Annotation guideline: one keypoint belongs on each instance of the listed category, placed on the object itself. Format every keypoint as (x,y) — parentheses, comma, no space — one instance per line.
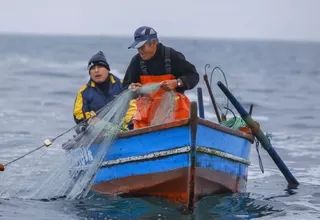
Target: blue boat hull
(181,161)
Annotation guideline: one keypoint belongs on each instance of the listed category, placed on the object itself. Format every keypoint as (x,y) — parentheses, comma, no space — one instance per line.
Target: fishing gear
(79,128)
(258,152)
(205,78)
(258,133)
(48,142)
(250,110)
(223,115)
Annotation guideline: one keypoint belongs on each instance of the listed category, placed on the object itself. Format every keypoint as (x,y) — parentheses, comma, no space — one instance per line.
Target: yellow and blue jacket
(91,98)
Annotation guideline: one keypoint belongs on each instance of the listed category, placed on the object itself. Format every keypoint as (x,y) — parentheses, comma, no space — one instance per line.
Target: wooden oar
(258,133)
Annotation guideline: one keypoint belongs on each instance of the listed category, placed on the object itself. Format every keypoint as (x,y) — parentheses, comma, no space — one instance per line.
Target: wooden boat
(181,161)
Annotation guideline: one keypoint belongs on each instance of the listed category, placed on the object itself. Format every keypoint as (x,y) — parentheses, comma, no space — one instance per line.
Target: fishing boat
(182,161)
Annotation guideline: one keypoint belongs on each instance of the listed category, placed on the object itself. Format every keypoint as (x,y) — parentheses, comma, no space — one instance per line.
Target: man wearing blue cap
(100,90)
(156,63)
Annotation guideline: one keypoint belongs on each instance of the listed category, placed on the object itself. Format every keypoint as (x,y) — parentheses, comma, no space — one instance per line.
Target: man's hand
(93,117)
(92,114)
(169,84)
(134,85)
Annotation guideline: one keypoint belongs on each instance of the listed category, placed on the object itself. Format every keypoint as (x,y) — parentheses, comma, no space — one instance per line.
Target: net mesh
(68,167)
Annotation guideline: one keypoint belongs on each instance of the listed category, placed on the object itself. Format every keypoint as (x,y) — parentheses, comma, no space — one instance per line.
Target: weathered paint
(222,154)
(174,151)
(221,162)
(193,151)
(145,167)
(172,185)
(145,157)
(222,141)
(148,143)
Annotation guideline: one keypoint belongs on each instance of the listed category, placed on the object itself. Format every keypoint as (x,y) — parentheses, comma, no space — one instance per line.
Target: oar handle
(260,136)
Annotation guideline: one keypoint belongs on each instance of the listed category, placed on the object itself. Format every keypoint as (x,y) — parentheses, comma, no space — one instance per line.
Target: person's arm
(132,74)
(184,70)
(81,108)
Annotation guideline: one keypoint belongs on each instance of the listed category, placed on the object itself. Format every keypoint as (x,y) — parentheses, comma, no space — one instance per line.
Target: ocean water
(40,77)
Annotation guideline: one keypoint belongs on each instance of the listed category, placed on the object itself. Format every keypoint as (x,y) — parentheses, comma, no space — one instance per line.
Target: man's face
(99,73)
(148,50)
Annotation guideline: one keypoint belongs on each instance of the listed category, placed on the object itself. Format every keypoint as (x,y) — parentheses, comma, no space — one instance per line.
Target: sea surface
(40,77)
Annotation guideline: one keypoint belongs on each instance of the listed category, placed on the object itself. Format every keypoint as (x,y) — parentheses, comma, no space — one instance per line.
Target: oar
(258,133)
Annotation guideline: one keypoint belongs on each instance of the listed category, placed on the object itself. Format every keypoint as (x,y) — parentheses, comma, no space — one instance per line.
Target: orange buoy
(1,167)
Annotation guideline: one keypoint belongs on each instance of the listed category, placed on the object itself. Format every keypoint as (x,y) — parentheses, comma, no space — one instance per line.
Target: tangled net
(67,169)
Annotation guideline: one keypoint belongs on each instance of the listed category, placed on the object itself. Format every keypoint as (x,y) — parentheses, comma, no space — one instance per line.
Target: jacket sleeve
(132,74)
(81,108)
(184,70)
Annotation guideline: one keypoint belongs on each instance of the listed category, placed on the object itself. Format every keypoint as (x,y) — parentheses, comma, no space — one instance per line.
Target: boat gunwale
(227,130)
(186,121)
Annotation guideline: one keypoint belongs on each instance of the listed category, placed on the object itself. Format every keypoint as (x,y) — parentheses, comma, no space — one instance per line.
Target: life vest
(146,107)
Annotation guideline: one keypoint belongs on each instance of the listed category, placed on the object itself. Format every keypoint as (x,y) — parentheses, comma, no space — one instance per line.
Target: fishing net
(68,167)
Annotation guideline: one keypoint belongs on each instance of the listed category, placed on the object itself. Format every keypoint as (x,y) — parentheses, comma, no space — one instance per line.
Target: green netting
(234,123)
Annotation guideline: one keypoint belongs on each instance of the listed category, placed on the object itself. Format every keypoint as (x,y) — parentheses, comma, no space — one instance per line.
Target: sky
(240,19)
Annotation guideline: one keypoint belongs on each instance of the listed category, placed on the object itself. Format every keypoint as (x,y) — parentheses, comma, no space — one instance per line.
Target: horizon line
(162,36)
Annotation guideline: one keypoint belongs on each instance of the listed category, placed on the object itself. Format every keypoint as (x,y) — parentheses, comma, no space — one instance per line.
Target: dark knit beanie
(98,59)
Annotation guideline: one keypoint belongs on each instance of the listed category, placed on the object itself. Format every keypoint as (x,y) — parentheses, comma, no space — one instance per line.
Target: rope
(234,123)
(47,144)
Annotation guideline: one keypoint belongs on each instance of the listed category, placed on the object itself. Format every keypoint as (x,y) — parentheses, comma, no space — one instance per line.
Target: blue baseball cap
(142,35)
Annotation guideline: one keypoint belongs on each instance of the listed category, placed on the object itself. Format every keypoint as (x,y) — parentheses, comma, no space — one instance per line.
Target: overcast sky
(267,19)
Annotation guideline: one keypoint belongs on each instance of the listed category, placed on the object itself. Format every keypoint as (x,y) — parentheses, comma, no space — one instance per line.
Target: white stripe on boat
(175,151)
(222,154)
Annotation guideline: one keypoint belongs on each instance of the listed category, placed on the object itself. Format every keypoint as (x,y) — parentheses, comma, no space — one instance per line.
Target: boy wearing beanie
(102,88)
